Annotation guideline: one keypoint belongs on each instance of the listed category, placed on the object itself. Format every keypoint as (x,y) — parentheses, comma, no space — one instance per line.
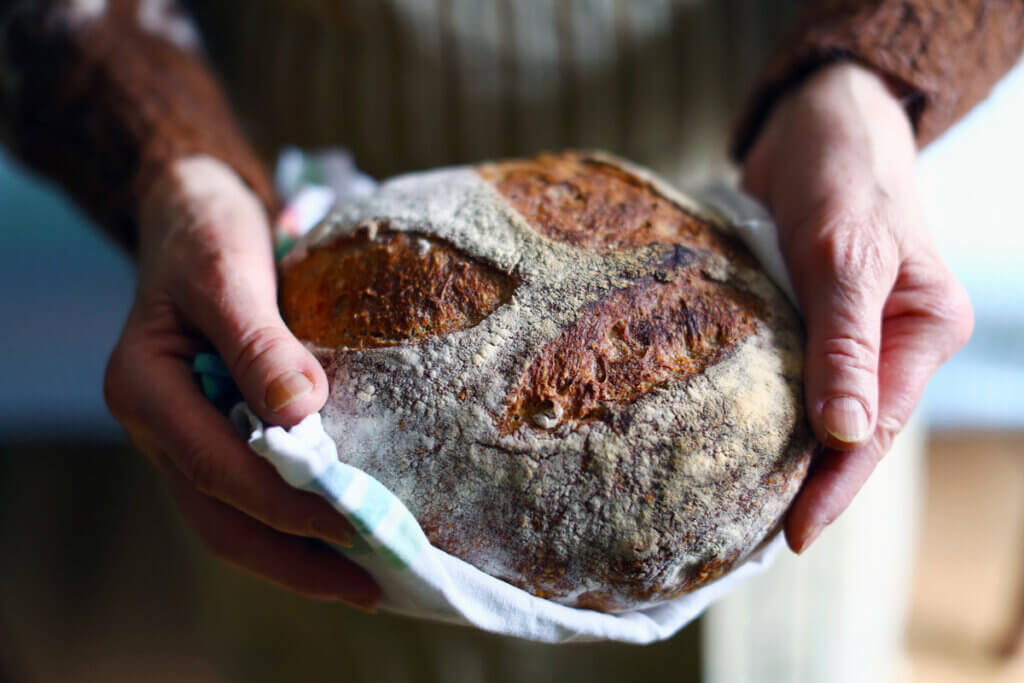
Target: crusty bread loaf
(575,378)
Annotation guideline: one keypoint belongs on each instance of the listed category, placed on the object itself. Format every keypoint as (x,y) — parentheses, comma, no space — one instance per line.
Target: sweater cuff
(940,57)
(104,105)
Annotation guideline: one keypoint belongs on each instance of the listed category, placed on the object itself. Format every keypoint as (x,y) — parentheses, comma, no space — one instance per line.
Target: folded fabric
(417,579)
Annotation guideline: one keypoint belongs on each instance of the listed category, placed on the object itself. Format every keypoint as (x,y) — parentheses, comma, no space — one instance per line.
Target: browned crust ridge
(630,342)
(379,288)
(593,204)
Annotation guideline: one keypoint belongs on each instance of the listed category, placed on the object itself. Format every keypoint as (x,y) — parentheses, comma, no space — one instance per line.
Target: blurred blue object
(68,290)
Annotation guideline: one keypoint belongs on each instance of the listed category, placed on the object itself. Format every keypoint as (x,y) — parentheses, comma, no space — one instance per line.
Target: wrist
(854,95)
(837,140)
(844,111)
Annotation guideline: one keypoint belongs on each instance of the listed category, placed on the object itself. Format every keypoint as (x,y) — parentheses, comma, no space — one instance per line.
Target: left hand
(206,272)
(835,166)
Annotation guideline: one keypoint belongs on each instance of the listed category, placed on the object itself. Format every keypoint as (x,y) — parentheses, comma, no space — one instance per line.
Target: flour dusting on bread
(656,446)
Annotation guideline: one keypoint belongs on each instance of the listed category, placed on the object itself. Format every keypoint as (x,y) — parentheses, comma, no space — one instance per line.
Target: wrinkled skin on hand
(835,166)
(206,272)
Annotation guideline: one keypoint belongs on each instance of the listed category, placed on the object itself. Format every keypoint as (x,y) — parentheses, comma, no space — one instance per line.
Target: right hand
(835,165)
(206,272)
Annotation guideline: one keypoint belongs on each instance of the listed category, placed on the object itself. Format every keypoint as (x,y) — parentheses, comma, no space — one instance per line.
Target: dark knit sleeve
(102,97)
(940,56)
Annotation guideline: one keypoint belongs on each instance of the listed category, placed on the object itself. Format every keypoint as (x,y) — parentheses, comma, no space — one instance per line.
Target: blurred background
(115,592)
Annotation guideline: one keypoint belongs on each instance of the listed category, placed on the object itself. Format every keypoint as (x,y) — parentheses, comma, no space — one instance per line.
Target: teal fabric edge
(215,381)
(405,544)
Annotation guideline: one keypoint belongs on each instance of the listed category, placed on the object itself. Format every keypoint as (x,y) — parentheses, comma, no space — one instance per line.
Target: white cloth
(419,580)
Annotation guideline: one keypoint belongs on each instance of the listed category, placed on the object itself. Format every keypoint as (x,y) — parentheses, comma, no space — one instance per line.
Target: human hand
(835,166)
(206,271)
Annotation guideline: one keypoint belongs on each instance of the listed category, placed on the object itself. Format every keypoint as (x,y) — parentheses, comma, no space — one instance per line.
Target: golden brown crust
(381,288)
(632,341)
(595,205)
(635,338)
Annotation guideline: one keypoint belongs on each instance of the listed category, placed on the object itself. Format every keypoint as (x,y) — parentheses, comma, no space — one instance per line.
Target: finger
(838,475)
(914,347)
(234,304)
(845,275)
(297,564)
(156,398)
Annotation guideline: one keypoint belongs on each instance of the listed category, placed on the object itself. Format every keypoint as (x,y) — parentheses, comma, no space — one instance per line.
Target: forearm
(103,98)
(941,57)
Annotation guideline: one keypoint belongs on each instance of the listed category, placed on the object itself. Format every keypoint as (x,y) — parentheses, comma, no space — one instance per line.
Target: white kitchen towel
(419,580)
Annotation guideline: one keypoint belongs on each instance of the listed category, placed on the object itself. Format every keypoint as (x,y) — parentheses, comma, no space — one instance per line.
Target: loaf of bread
(577,379)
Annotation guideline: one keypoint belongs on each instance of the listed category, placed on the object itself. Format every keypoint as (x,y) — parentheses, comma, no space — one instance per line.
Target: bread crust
(625,427)
(396,288)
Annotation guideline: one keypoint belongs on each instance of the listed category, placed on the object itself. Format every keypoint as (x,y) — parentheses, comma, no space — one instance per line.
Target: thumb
(279,378)
(843,292)
(209,237)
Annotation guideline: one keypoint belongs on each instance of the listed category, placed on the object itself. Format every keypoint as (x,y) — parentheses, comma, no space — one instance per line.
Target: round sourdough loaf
(577,379)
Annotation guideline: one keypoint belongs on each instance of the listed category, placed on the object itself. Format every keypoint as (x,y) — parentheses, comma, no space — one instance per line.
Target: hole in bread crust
(380,287)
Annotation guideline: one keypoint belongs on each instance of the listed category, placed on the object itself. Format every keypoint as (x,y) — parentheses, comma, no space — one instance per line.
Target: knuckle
(851,254)
(254,347)
(850,354)
(846,239)
(947,303)
(935,292)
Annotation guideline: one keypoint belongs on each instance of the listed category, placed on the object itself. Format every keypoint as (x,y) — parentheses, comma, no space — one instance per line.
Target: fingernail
(810,538)
(333,530)
(287,388)
(846,420)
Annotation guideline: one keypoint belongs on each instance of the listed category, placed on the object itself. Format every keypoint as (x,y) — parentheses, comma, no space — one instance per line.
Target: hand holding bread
(206,272)
(835,165)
